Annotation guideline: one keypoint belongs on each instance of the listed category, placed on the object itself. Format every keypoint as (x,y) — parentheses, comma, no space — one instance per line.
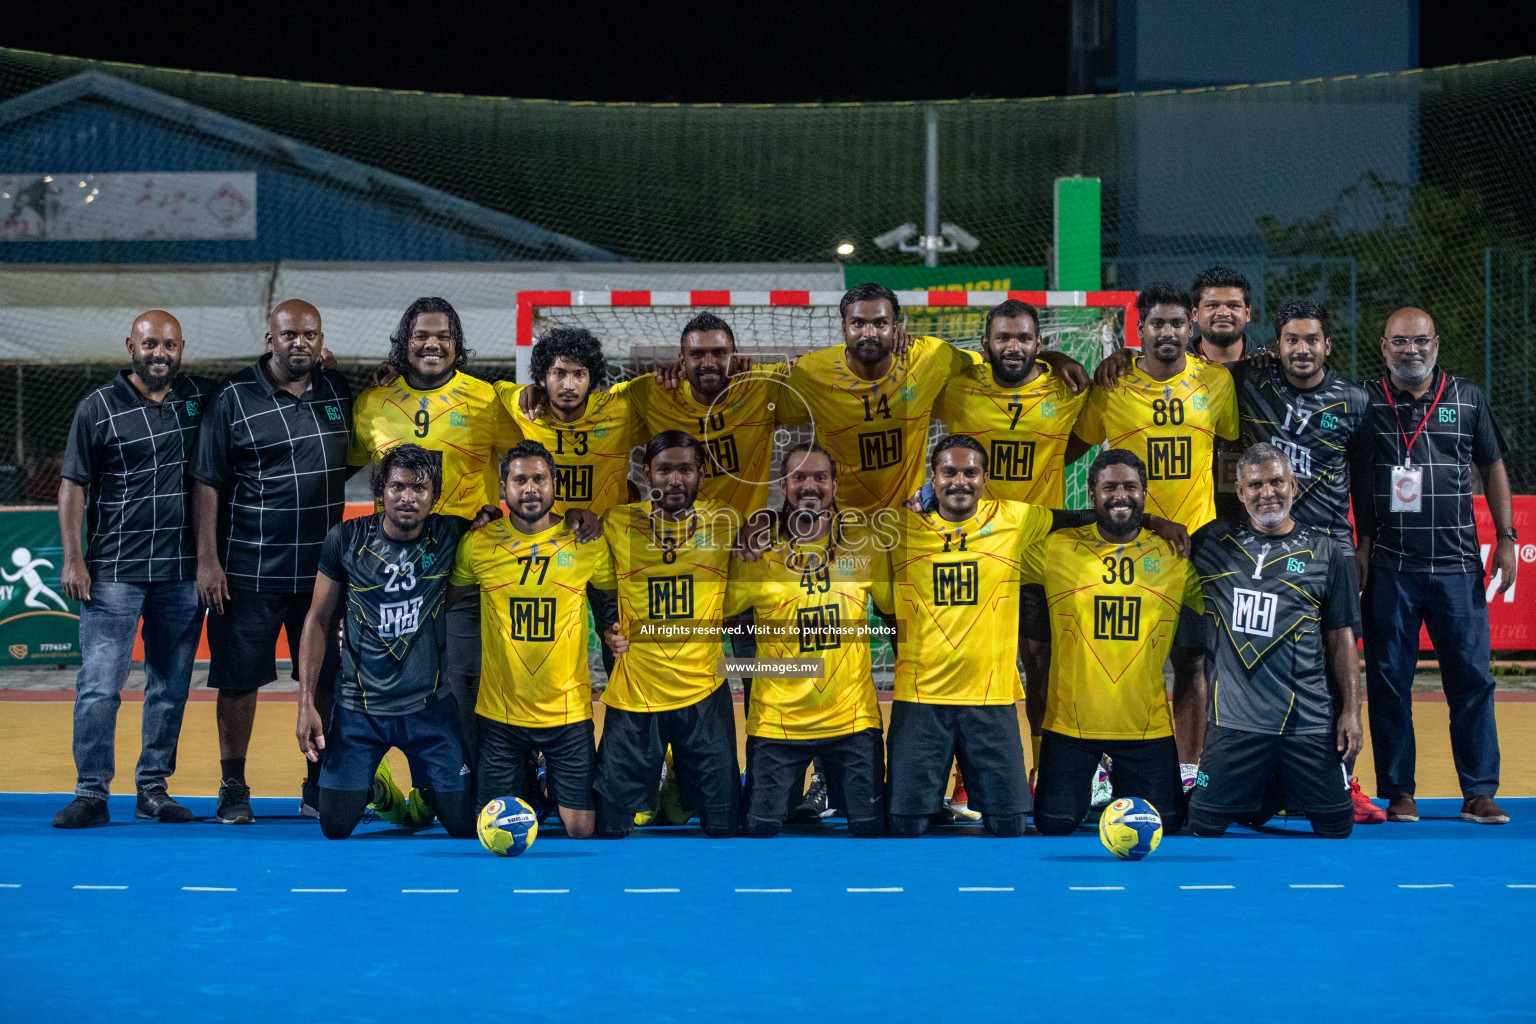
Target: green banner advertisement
(38,624)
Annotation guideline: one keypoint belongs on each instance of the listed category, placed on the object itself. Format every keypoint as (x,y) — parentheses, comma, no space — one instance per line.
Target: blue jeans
(1454,608)
(173,620)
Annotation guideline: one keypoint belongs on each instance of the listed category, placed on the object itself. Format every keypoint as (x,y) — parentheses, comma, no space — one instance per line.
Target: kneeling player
(1117,595)
(813,579)
(1280,599)
(535,689)
(391,570)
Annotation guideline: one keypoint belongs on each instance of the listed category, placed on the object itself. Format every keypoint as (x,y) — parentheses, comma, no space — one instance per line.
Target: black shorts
(1145,768)
(242,640)
(357,741)
(1034,614)
(925,739)
(703,741)
(854,766)
(570,761)
(1237,768)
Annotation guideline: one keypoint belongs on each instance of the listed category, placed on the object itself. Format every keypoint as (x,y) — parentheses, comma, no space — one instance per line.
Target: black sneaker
(309,799)
(814,808)
(82,812)
(234,804)
(157,805)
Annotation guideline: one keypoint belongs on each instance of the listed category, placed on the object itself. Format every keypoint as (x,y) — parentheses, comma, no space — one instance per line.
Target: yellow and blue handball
(1130,828)
(507,826)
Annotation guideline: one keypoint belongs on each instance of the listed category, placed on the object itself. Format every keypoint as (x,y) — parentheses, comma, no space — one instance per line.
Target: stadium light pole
(935,237)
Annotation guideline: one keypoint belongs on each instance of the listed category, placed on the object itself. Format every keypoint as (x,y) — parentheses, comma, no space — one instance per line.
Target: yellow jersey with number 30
(591,452)
(533,620)
(462,420)
(1172,425)
(1114,610)
(956,593)
(672,577)
(808,595)
(876,431)
(1024,430)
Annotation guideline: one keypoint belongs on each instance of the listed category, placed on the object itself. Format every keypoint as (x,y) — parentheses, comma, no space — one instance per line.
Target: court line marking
(765,890)
(1511,885)
(1316,885)
(205,888)
(1096,888)
(101,887)
(883,888)
(986,888)
(1207,887)
(10,885)
(1432,885)
(317,890)
(653,890)
(429,890)
(534,892)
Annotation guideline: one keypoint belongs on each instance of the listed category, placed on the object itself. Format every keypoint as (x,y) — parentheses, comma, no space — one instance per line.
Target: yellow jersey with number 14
(672,578)
(591,452)
(1114,610)
(462,420)
(1173,425)
(533,620)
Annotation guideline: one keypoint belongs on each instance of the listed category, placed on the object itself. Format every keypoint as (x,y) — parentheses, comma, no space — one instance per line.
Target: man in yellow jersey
(530,575)
(671,560)
(809,591)
(433,403)
(589,432)
(1119,599)
(1169,409)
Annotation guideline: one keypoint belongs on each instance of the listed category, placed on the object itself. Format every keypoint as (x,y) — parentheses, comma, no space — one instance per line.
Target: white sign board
(127,207)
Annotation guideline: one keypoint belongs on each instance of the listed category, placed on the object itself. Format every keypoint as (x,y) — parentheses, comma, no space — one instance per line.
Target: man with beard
(671,559)
(1119,598)
(271,473)
(433,403)
(813,580)
(1425,566)
(530,575)
(130,446)
(1280,598)
(955,578)
(389,573)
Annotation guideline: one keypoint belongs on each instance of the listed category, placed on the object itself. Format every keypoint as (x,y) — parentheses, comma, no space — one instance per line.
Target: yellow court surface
(35,748)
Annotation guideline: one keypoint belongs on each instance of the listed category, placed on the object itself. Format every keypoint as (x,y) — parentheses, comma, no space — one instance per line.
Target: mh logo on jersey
(1169,458)
(818,628)
(573,483)
(670,597)
(1013,460)
(533,618)
(722,455)
(1300,456)
(1117,618)
(880,449)
(1253,612)
(955,583)
(399,618)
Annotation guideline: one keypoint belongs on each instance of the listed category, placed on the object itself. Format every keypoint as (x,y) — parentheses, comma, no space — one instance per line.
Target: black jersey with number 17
(394,631)
(1271,598)
(1325,432)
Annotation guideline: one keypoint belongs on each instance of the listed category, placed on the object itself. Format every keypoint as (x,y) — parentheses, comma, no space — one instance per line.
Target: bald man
(1421,563)
(271,469)
(125,480)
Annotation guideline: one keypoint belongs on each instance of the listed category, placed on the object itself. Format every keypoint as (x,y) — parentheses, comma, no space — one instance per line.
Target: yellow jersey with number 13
(591,452)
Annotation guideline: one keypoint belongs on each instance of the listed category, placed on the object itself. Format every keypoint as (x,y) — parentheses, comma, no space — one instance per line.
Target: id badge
(1407,489)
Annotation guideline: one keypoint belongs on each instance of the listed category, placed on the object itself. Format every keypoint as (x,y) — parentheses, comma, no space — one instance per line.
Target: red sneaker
(959,803)
(1366,813)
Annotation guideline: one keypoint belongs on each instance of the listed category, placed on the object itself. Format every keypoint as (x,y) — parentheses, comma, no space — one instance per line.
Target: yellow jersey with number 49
(1024,430)
(1173,425)
(462,420)
(1114,610)
(591,452)
(672,578)
(956,593)
(809,597)
(876,431)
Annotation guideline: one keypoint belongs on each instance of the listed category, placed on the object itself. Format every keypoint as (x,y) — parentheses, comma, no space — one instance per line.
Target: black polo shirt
(1442,536)
(132,456)
(280,464)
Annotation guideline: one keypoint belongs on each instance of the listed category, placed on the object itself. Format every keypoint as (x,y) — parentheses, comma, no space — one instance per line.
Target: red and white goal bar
(529,302)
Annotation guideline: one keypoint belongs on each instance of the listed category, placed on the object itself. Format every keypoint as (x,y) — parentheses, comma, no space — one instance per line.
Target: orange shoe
(1366,813)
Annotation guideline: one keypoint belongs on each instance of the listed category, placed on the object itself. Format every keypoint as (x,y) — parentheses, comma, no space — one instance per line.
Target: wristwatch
(1506,533)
